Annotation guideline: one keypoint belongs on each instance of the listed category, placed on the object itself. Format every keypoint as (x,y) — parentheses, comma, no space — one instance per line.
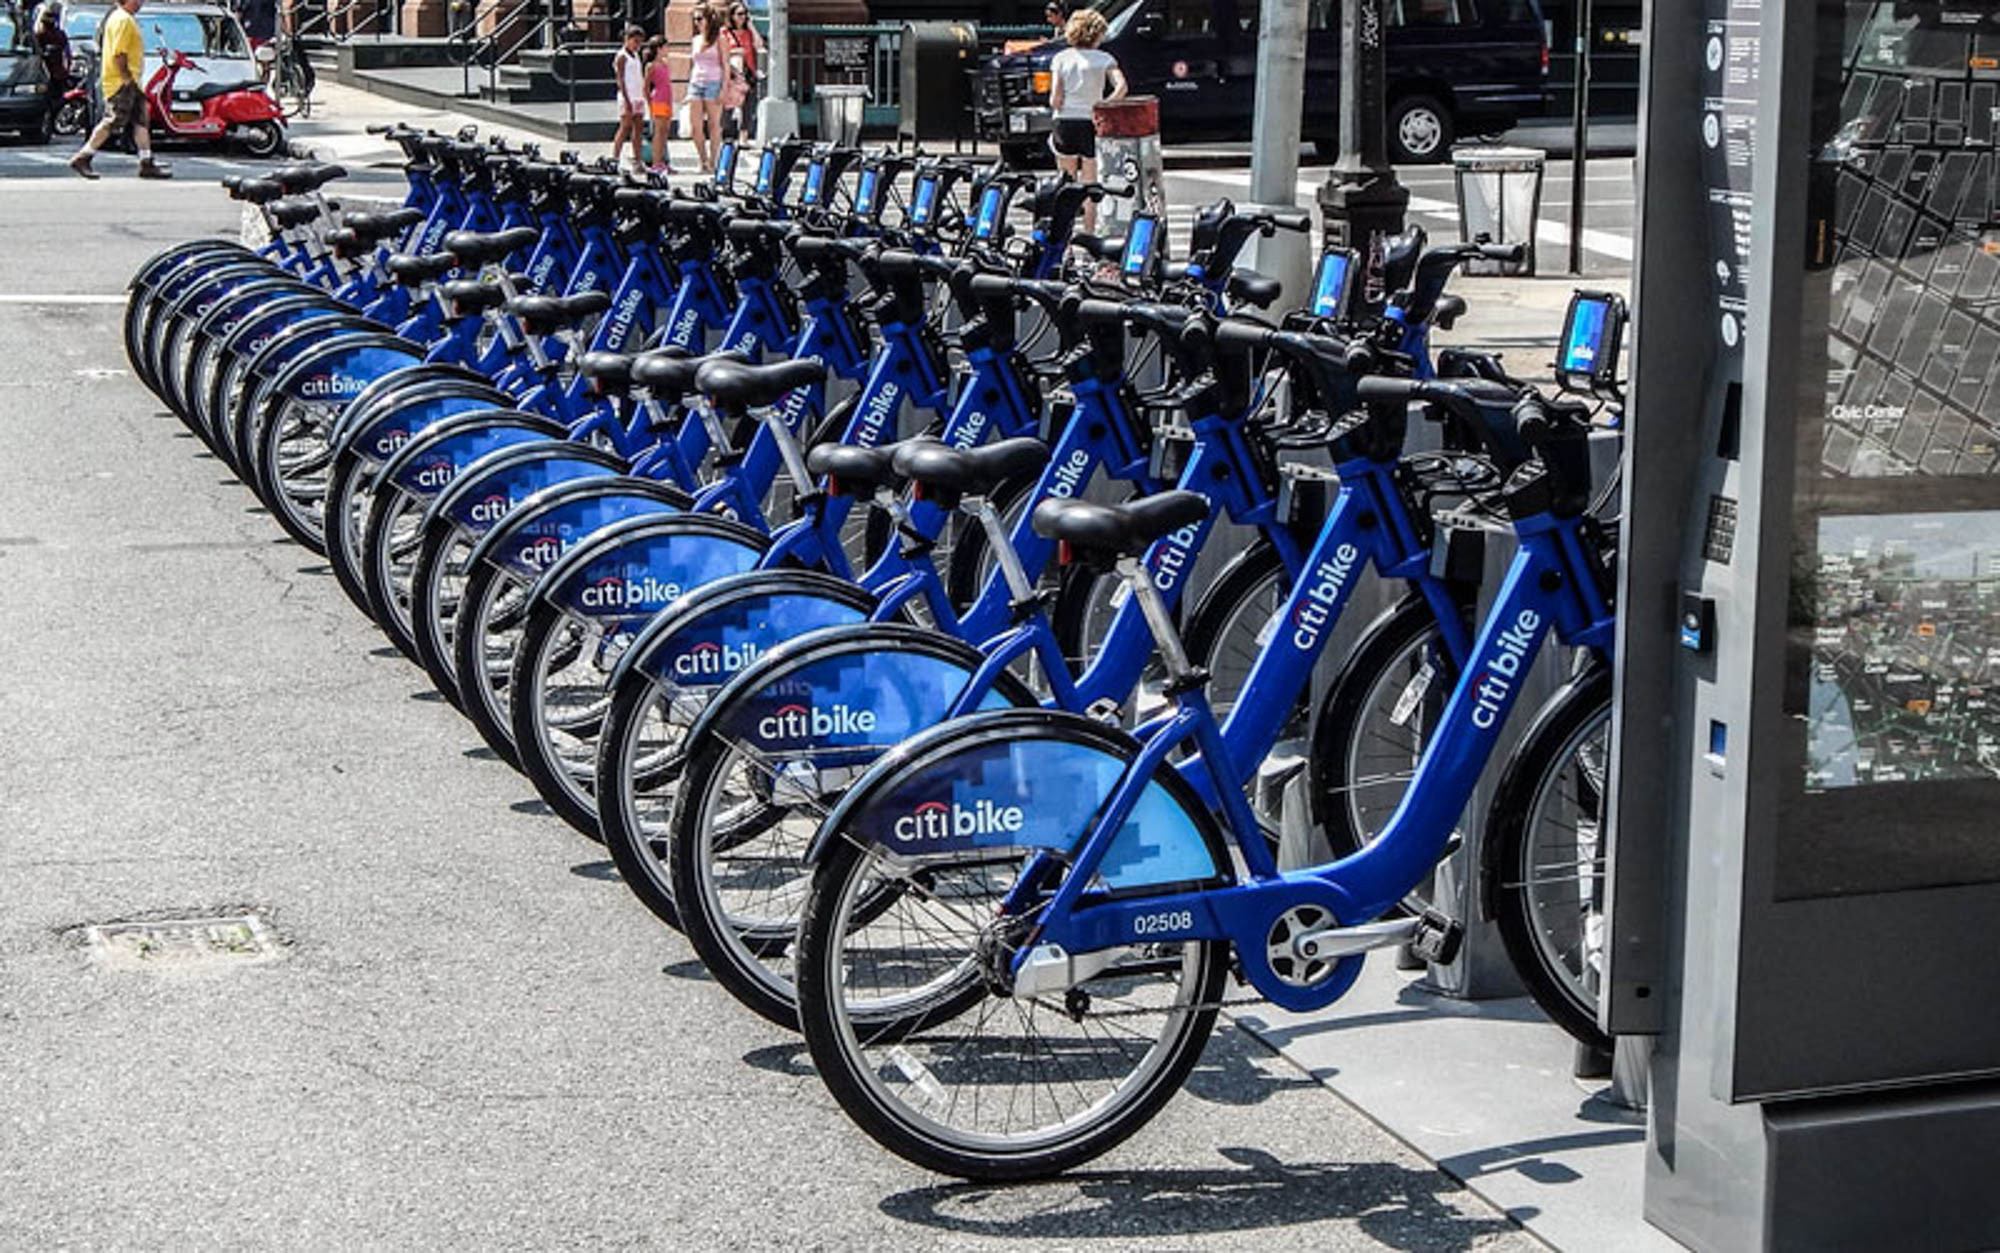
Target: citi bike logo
(935,820)
(435,477)
(618,592)
(794,408)
(390,441)
(1070,475)
(712,660)
(881,407)
(685,327)
(794,722)
(539,276)
(1173,560)
(540,554)
(1503,669)
(492,509)
(330,386)
(1329,578)
(622,316)
(969,431)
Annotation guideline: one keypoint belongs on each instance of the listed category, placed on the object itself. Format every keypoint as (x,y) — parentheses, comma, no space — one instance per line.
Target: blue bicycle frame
(1551,586)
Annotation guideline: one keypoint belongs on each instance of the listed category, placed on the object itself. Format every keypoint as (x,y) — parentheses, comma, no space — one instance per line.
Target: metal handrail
(518,27)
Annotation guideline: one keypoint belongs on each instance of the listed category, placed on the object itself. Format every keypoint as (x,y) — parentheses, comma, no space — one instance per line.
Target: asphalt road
(471,1035)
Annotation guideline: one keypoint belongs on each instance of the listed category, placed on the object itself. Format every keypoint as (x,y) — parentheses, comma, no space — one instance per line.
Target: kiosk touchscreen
(923,200)
(767,166)
(1333,284)
(815,184)
(1145,242)
(1592,337)
(992,214)
(725,166)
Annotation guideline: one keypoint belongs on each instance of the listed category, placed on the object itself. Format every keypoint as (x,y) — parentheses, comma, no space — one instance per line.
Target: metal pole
(1579,155)
(777,114)
(1281,86)
(1361,200)
(1274,159)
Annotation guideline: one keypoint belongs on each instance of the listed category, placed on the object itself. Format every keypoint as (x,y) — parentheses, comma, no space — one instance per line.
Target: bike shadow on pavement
(1403,1208)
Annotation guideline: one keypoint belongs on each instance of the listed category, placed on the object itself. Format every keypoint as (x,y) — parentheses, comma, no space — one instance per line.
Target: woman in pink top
(705,74)
(660,99)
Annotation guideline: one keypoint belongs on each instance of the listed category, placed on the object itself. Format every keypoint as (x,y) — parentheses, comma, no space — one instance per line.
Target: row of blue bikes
(936,609)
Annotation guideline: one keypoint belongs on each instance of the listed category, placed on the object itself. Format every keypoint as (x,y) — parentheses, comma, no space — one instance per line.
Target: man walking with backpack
(121,54)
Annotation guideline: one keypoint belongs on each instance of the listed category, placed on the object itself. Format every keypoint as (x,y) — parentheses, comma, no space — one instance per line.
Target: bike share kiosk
(1804,904)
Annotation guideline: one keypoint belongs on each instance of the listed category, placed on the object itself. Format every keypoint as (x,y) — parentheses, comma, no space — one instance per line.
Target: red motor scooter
(242,111)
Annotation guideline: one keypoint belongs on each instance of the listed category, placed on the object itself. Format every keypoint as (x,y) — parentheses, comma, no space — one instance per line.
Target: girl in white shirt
(1077,78)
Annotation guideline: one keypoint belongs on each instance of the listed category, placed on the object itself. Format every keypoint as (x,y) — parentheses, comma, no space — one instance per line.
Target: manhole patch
(184,943)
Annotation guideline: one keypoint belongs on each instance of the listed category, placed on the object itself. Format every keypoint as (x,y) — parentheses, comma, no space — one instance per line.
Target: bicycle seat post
(1001,545)
(1181,672)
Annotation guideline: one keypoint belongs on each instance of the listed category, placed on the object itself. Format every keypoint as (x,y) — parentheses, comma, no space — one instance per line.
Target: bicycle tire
(1514,861)
(1350,803)
(856,1081)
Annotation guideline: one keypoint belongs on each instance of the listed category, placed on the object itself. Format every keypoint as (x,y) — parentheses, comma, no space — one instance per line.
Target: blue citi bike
(1021,922)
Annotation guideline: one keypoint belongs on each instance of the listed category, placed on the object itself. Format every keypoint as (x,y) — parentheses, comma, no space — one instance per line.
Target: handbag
(735,89)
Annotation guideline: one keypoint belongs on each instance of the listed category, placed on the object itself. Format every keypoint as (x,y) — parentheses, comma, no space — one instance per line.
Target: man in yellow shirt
(122,56)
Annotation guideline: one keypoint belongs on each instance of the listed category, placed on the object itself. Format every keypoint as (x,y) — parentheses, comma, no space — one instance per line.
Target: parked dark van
(1456,67)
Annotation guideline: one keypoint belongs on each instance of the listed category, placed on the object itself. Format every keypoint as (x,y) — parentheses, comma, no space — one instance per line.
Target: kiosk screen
(1894,674)
(815,184)
(725,165)
(865,193)
(767,166)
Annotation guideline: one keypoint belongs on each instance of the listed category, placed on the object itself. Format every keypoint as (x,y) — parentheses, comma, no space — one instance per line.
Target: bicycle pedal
(1437,938)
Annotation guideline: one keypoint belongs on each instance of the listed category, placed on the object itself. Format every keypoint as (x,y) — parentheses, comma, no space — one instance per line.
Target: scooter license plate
(185,115)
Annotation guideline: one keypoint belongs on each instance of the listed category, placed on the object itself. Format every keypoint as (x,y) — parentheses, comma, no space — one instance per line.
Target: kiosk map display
(1906,653)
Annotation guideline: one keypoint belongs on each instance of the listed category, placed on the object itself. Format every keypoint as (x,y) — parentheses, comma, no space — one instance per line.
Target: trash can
(1499,196)
(840,107)
(1128,150)
(937,63)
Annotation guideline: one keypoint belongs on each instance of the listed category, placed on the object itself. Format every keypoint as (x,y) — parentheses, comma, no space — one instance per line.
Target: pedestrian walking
(746,56)
(660,101)
(52,46)
(1078,76)
(121,55)
(706,71)
(628,69)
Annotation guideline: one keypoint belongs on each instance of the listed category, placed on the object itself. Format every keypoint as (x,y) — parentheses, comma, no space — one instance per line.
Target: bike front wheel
(897,1003)
(1546,831)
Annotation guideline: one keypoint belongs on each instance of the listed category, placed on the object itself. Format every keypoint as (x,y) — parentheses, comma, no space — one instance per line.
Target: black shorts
(1074,137)
(121,106)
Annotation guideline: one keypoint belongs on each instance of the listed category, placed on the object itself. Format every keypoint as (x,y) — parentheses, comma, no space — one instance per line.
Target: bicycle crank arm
(1433,937)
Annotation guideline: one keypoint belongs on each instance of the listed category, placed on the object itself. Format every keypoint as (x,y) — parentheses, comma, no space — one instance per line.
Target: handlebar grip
(374,128)
(1234,333)
(1292,220)
(1089,310)
(1511,254)
(990,285)
(1377,387)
